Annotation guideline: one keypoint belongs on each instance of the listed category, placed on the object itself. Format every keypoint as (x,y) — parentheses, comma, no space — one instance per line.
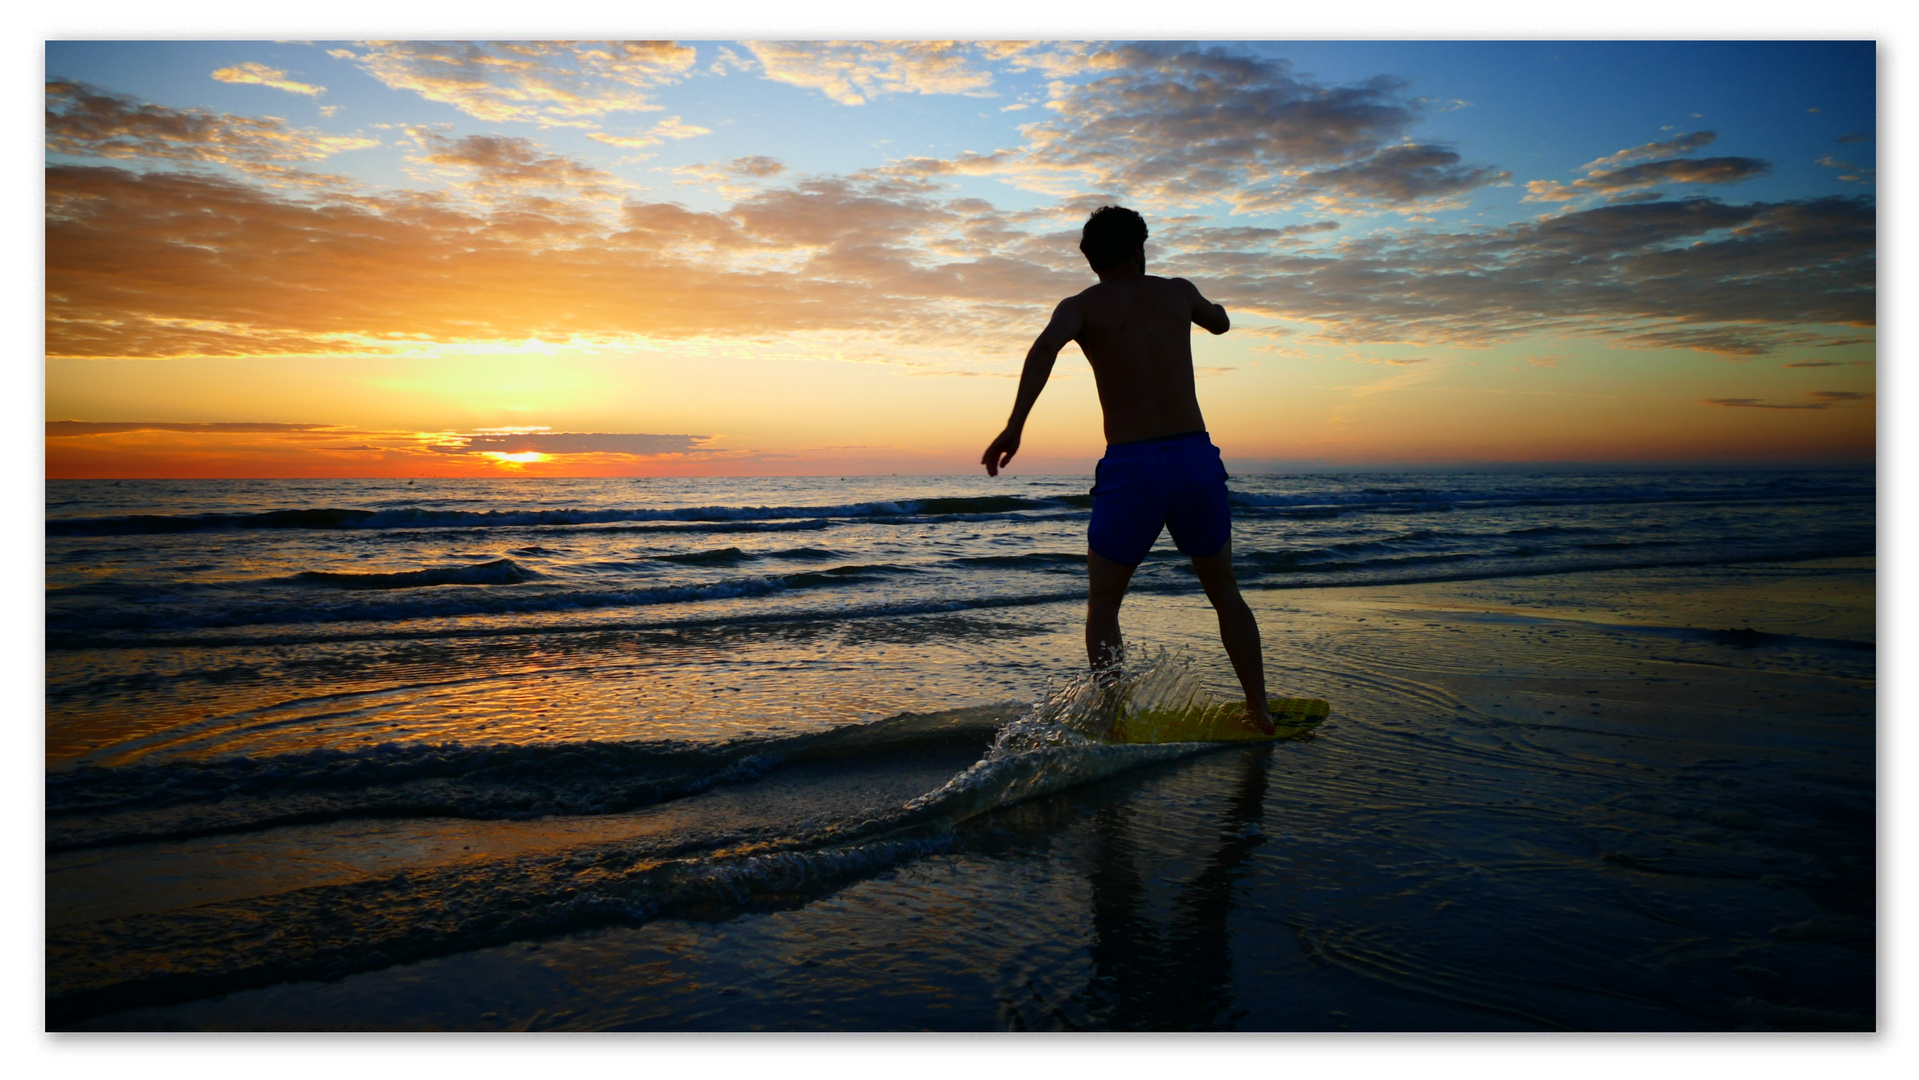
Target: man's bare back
(1160,470)
(1135,330)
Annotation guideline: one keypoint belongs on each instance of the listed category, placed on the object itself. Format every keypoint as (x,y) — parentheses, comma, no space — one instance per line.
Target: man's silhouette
(1160,469)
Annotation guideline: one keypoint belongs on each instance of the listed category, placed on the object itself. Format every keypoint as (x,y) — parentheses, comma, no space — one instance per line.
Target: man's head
(1112,235)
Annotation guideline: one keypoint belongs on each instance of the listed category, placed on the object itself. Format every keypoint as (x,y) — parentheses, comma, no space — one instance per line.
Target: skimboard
(1217,723)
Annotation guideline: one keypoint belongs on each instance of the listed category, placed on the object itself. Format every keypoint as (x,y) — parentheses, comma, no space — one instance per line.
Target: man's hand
(1001,452)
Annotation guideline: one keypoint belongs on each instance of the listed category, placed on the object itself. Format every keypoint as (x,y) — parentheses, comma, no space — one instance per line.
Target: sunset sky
(376,259)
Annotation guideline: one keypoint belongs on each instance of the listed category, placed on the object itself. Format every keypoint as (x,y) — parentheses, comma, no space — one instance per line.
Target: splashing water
(1092,705)
(1059,742)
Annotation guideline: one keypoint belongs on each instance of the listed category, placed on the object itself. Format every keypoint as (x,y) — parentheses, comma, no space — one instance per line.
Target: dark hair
(1111,236)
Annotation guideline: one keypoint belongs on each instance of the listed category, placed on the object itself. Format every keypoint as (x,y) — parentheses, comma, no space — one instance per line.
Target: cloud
(554,443)
(1396,361)
(854,72)
(172,264)
(1815,364)
(1740,279)
(1547,360)
(670,128)
(1821,399)
(62,429)
(1850,173)
(628,142)
(553,83)
(733,179)
(729,61)
(503,161)
(1735,342)
(1185,126)
(85,121)
(758,166)
(263,75)
(1397,175)
(1683,144)
(1719,170)
(272,449)
(1405,380)
(1852,137)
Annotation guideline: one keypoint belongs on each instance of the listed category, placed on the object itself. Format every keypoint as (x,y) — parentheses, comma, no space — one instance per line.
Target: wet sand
(1628,800)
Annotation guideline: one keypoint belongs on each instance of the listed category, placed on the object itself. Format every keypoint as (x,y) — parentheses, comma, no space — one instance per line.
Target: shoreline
(1505,729)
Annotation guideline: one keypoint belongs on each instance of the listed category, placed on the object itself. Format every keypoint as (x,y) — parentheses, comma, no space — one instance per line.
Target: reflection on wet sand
(1172,972)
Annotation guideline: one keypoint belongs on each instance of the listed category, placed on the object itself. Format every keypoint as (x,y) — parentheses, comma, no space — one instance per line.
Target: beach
(1601,756)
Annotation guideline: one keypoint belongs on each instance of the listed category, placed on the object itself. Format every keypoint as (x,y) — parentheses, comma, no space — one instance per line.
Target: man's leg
(1106,583)
(1238,631)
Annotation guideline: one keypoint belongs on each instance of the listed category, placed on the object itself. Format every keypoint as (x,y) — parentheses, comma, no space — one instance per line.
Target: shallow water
(1636,797)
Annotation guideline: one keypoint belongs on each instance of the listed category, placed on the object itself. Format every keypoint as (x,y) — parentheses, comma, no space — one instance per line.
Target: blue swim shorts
(1176,482)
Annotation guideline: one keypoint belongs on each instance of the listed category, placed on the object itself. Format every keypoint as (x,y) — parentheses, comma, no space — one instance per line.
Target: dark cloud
(85,121)
(1181,125)
(1397,175)
(1821,399)
(1717,170)
(57,429)
(1682,144)
(1611,174)
(1623,271)
(566,443)
(1733,342)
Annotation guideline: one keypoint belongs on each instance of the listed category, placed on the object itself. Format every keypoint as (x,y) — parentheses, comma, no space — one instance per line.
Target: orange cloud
(670,128)
(505,162)
(852,72)
(551,83)
(168,264)
(263,75)
(91,449)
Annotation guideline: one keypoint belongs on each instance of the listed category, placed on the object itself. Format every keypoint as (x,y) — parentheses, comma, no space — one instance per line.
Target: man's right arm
(1065,325)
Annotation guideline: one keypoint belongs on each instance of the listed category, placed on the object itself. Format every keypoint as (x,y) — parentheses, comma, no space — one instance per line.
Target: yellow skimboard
(1217,723)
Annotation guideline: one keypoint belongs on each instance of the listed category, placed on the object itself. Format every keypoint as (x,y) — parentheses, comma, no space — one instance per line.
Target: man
(1161,469)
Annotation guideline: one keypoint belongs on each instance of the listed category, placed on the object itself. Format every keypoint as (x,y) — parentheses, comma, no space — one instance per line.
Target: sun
(525,457)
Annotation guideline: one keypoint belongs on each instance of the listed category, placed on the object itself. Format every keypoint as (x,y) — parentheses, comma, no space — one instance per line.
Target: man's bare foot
(1259,719)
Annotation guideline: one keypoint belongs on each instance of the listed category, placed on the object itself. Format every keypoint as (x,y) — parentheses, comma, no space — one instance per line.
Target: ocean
(802,753)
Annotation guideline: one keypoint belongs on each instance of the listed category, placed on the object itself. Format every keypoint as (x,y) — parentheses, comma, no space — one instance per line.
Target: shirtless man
(1160,469)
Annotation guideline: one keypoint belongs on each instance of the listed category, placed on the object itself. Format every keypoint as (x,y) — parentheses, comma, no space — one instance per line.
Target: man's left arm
(1208,315)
